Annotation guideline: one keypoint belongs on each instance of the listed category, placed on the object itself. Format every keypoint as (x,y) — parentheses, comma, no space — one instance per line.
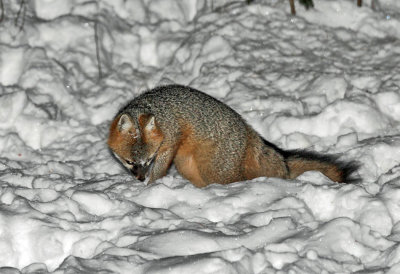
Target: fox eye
(130,163)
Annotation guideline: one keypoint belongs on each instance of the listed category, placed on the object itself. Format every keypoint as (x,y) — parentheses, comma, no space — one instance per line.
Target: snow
(326,80)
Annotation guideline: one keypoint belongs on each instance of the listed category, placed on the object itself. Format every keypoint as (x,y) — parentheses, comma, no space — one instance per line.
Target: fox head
(135,142)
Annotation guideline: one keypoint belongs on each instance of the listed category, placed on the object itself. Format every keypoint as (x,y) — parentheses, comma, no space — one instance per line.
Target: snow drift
(327,80)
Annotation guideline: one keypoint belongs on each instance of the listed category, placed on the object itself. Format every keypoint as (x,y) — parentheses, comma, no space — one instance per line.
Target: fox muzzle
(141,171)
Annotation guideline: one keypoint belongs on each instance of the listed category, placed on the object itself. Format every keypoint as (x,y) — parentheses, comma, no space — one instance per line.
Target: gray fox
(206,140)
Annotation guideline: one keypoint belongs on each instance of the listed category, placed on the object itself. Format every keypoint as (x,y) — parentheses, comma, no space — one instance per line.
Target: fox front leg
(161,164)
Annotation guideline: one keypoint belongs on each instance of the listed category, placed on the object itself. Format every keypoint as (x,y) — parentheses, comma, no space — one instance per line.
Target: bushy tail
(299,162)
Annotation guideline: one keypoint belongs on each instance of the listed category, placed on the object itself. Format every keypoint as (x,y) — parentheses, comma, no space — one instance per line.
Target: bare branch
(96,39)
(292,8)
(2,11)
(22,8)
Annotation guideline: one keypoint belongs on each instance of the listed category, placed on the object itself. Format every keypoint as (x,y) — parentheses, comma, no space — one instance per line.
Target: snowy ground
(327,80)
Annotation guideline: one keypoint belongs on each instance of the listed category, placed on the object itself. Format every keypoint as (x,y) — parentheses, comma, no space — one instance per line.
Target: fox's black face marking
(130,163)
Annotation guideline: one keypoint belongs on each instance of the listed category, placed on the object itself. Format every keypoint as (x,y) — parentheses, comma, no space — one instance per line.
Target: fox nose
(138,172)
(140,177)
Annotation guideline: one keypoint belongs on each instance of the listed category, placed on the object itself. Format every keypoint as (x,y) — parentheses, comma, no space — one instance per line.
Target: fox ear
(151,123)
(125,123)
(147,122)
